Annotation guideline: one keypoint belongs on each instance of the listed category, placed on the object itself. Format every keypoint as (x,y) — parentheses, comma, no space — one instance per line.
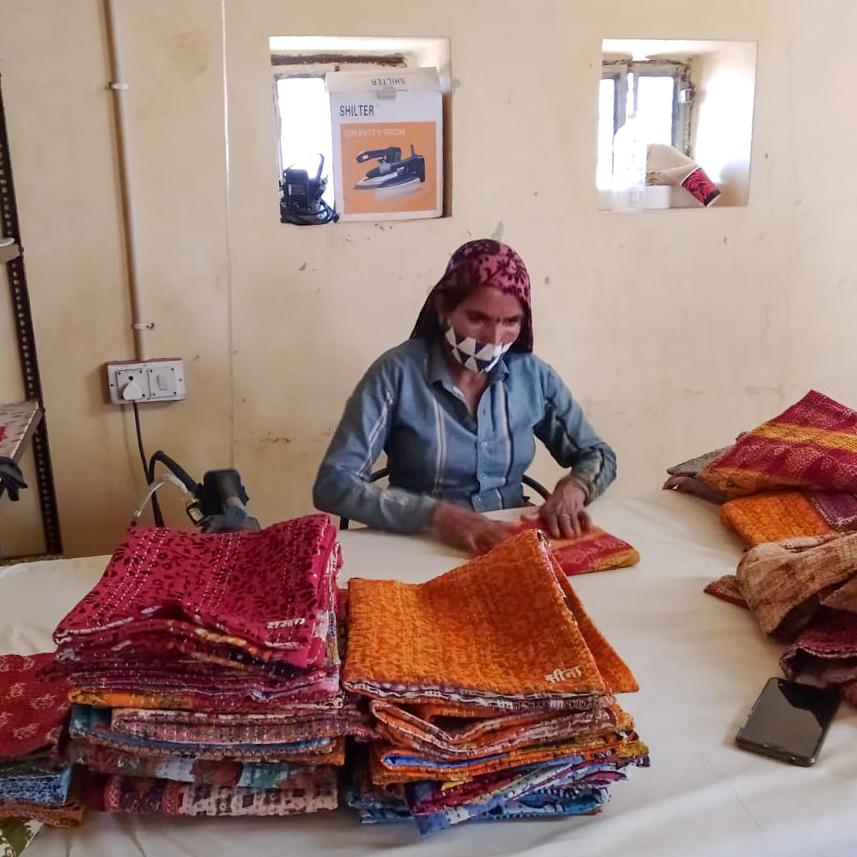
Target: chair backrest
(384,471)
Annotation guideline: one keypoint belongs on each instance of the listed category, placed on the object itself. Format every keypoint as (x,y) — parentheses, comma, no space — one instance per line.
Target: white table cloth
(700,663)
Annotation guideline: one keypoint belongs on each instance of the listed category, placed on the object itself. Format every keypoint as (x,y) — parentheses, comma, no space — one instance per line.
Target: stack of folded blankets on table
(35,783)
(206,673)
(788,488)
(492,693)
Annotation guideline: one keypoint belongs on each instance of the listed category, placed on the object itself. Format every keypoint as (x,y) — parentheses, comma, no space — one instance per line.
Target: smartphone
(789,721)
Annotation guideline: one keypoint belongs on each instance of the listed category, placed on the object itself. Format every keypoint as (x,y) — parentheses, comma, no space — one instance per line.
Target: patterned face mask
(472,353)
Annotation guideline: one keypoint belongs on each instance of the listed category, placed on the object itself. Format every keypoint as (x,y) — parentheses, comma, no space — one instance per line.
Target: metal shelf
(9,252)
(36,433)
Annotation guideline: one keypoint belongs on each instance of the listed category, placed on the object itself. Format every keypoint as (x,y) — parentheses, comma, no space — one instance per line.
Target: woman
(456,408)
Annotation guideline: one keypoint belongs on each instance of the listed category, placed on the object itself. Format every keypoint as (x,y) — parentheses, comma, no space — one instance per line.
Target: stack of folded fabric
(812,445)
(35,783)
(789,488)
(795,475)
(804,590)
(206,672)
(492,693)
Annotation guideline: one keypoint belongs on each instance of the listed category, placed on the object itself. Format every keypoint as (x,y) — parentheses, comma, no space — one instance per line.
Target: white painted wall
(724,119)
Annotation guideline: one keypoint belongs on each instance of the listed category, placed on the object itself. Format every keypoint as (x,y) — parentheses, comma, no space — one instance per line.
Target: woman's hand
(463,528)
(563,514)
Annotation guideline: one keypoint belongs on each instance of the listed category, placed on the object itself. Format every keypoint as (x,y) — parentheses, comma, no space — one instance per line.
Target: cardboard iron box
(387,143)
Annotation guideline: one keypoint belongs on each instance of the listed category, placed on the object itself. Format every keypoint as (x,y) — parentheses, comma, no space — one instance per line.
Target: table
(700,664)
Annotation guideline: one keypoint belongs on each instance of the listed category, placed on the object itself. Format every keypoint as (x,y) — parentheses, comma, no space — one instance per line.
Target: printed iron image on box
(387,144)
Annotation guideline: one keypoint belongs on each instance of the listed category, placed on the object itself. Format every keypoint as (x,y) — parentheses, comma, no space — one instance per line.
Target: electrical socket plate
(153,381)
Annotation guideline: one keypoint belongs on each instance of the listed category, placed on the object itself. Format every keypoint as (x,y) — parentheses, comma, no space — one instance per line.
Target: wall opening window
(302,104)
(304,111)
(688,107)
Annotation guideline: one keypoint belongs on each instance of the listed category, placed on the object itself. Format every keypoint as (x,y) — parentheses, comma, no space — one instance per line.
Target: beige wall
(675,328)
(724,118)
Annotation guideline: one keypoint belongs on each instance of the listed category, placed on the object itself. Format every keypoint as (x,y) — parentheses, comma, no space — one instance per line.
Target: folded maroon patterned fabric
(274,588)
(33,704)
(825,652)
(838,509)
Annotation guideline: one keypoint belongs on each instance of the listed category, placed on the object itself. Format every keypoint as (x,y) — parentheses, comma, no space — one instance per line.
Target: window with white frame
(660,93)
(301,102)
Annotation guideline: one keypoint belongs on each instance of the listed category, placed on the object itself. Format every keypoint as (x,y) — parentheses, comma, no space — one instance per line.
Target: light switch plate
(159,380)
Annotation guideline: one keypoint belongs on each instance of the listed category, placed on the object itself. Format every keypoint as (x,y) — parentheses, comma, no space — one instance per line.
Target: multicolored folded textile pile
(793,488)
(812,446)
(804,590)
(35,783)
(492,694)
(206,673)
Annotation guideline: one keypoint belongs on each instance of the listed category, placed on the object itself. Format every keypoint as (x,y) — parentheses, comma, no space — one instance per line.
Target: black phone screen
(789,720)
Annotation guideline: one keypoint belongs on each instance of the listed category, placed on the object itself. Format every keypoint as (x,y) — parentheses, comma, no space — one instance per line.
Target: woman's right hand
(463,528)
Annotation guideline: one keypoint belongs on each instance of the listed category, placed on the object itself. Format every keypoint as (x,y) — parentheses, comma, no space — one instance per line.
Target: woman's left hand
(563,514)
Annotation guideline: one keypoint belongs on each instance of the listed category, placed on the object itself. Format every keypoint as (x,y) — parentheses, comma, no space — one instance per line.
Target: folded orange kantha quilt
(504,630)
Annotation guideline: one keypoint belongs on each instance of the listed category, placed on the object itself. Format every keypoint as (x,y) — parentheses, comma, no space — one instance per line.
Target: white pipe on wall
(120,88)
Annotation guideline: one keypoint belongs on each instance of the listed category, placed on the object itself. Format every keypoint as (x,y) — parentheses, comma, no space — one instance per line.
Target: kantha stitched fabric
(185,700)
(683,477)
(783,583)
(271,587)
(246,728)
(33,704)
(773,516)
(188,769)
(210,669)
(92,726)
(37,780)
(692,466)
(67,815)
(34,783)
(726,588)
(142,795)
(431,796)
(219,626)
(393,765)
(40,788)
(811,445)
(825,652)
(575,800)
(837,509)
(595,550)
(489,735)
(442,639)
(492,691)
(548,790)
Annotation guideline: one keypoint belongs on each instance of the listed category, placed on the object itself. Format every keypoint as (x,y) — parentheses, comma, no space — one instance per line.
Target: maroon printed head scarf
(483,262)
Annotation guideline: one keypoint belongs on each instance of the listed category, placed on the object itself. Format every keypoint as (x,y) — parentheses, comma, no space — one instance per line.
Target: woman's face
(488,315)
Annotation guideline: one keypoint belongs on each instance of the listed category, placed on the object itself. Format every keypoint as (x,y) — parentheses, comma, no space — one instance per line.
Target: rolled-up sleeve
(570,438)
(342,486)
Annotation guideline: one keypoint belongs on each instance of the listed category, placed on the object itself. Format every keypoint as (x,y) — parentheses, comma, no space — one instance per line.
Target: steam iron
(394,175)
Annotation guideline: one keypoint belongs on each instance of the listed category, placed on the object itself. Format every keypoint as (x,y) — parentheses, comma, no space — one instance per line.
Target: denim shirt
(407,406)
